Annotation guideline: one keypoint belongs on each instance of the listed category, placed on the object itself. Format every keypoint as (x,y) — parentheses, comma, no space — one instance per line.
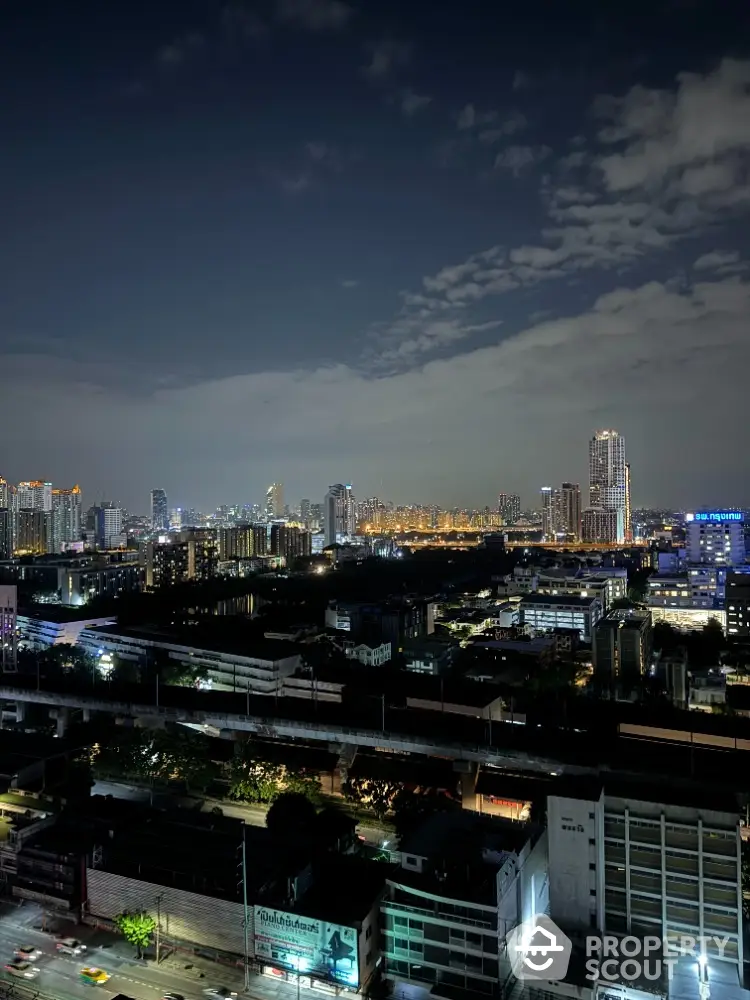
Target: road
(252,815)
(59,974)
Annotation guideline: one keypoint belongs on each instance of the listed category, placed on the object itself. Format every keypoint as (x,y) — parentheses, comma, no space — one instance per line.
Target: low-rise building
(463,883)
(49,625)
(430,655)
(257,666)
(543,612)
(369,656)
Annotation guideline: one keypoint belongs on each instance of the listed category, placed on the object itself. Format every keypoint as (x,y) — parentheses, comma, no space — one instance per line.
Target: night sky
(426,248)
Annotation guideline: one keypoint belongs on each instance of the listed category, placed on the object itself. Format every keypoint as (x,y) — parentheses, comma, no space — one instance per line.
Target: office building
(109,533)
(464,881)
(159,511)
(66,516)
(509,507)
(606,585)
(34,532)
(6,491)
(738,606)
(599,526)
(628,508)
(304,512)
(395,621)
(544,612)
(275,501)
(631,858)
(290,542)
(622,647)
(35,495)
(608,480)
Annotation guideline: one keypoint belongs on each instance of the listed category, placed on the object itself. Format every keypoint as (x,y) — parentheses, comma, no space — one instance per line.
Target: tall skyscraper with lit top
(275,501)
(66,517)
(609,480)
(159,511)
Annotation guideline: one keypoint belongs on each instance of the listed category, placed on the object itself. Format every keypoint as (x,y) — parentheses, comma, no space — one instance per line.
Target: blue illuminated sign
(716,515)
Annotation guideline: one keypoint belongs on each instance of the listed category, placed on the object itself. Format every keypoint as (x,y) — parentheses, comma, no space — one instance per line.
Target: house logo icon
(538,949)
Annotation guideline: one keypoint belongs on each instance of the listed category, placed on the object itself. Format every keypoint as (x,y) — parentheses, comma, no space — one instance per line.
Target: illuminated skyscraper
(275,501)
(159,511)
(66,517)
(509,507)
(608,480)
(549,526)
(35,495)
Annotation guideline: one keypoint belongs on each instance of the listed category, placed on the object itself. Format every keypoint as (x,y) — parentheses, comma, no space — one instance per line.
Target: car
(219,993)
(70,946)
(24,970)
(28,953)
(173,996)
(94,976)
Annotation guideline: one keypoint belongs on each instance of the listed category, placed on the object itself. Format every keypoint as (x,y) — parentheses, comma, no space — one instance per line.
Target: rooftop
(344,890)
(60,614)
(560,600)
(198,637)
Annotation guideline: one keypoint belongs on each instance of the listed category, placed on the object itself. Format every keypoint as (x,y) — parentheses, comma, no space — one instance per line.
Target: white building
(622,861)
(257,668)
(34,495)
(369,656)
(609,480)
(543,612)
(55,625)
(715,538)
(66,517)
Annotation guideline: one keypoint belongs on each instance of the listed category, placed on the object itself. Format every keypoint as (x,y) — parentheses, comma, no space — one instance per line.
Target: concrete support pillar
(20,711)
(87,715)
(63,718)
(469,772)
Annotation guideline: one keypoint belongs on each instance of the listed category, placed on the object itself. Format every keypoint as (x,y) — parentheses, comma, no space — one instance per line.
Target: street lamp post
(158,926)
(246,922)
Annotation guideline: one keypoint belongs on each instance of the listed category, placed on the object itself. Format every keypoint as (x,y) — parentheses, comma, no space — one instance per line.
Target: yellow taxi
(94,977)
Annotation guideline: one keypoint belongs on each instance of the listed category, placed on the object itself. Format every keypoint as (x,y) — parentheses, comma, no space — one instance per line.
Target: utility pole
(158,927)
(246,922)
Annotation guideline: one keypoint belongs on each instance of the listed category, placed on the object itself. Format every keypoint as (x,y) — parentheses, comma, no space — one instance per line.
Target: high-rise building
(621,647)
(275,501)
(6,533)
(509,507)
(66,516)
(34,532)
(35,495)
(549,525)
(304,512)
(608,480)
(290,542)
(628,509)
(599,525)
(243,541)
(109,528)
(190,557)
(569,518)
(738,606)
(5,493)
(350,512)
(334,507)
(159,511)
(8,629)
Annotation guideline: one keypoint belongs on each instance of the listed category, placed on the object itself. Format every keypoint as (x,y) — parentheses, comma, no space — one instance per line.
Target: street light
(158,926)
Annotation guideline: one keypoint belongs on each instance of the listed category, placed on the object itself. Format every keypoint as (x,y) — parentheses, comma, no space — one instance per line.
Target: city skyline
(458,244)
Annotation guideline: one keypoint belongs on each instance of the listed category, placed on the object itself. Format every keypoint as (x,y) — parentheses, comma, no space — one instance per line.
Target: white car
(219,993)
(27,953)
(24,970)
(70,946)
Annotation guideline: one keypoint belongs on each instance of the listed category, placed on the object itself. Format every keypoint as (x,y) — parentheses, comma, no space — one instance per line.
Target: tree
(302,783)
(410,809)
(292,816)
(373,793)
(254,780)
(137,929)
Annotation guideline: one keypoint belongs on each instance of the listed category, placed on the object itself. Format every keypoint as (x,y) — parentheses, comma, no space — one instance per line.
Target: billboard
(310,947)
(716,515)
